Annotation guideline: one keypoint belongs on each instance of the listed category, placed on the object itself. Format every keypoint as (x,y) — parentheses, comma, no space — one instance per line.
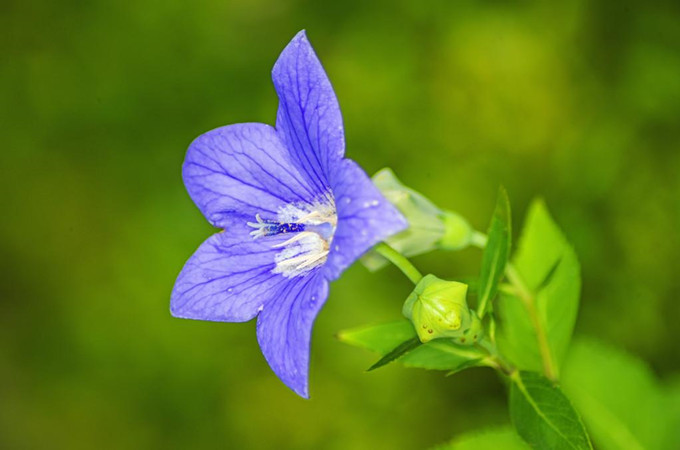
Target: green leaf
(623,404)
(439,354)
(672,405)
(400,350)
(496,252)
(504,438)
(465,365)
(536,325)
(543,415)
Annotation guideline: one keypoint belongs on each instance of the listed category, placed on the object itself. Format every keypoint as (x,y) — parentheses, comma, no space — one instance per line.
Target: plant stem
(400,261)
(494,359)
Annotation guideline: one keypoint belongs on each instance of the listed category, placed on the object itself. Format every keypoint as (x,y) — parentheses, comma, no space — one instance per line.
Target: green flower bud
(429,227)
(438,309)
(457,232)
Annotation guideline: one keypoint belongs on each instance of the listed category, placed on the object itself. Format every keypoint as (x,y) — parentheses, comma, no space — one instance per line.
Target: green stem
(494,359)
(400,261)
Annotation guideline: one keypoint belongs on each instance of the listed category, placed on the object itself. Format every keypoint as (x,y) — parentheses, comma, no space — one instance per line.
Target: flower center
(312,225)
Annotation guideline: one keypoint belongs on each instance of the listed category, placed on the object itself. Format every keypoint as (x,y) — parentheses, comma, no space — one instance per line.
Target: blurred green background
(577,102)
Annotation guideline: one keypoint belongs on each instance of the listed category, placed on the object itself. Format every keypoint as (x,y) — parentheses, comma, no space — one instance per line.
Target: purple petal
(242,169)
(284,329)
(309,118)
(365,217)
(228,279)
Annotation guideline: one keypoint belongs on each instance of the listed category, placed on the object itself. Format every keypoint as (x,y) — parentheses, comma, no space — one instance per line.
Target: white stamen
(297,237)
(301,256)
(312,259)
(307,248)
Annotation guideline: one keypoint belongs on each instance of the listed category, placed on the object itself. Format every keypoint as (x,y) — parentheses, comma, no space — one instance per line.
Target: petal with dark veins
(309,119)
(229,278)
(284,329)
(243,169)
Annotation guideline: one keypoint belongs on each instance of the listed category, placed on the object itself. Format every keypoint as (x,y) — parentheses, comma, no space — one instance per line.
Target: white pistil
(259,226)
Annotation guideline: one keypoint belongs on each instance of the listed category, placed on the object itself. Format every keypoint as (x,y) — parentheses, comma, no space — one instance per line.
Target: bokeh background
(577,102)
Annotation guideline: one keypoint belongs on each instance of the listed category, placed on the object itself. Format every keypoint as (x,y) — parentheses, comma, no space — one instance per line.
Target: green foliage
(537,317)
(440,354)
(504,438)
(496,252)
(672,408)
(399,351)
(543,416)
(575,100)
(622,402)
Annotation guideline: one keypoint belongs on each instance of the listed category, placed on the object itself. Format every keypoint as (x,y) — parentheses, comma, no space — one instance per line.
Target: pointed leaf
(439,354)
(622,402)
(548,268)
(672,405)
(399,350)
(496,251)
(504,438)
(543,415)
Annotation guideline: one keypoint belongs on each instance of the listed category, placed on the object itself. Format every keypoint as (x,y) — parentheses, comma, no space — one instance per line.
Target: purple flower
(295,215)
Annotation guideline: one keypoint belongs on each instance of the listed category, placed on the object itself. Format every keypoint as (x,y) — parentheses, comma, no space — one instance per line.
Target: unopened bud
(438,309)
(457,232)
(429,226)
